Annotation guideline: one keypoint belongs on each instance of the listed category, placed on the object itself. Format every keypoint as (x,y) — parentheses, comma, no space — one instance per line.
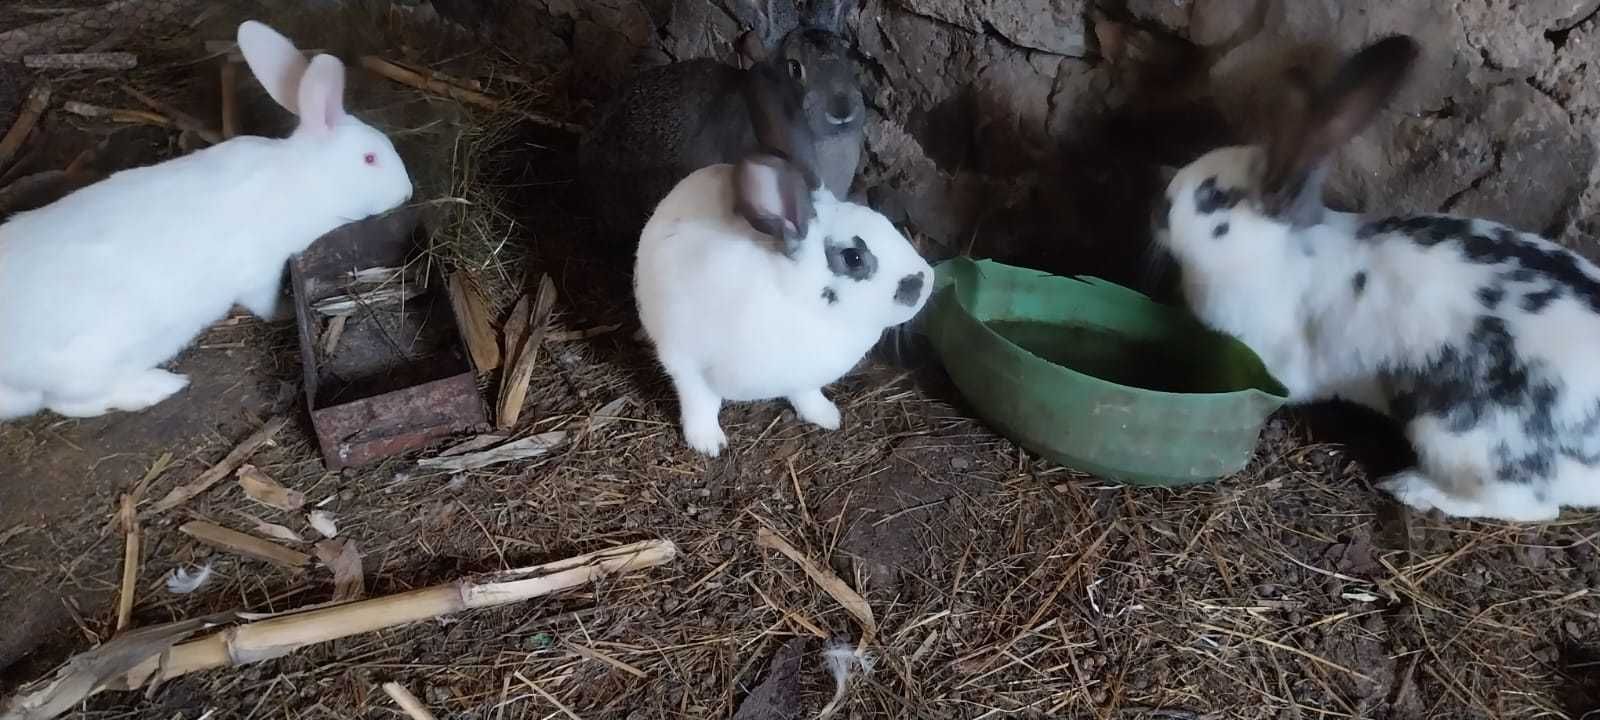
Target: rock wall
(1003,128)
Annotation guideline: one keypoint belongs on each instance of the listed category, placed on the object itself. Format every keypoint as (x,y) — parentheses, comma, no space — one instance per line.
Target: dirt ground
(1001,585)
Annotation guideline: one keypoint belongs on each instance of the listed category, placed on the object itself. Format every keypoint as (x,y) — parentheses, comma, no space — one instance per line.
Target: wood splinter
(38,101)
(82,61)
(131,117)
(183,493)
(473,311)
(128,515)
(181,119)
(403,76)
(239,543)
(407,701)
(128,518)
(519,366)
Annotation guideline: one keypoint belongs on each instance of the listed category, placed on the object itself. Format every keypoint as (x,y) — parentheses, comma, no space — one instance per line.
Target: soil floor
(1001,585)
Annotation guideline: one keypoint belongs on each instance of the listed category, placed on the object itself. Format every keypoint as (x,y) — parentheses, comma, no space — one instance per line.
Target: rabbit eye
(854,261)
(370,158)
(796,70)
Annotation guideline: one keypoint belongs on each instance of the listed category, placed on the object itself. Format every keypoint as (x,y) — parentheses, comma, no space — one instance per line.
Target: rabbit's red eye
(370,158)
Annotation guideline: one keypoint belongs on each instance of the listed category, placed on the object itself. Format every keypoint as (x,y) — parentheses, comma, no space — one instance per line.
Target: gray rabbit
(669,121)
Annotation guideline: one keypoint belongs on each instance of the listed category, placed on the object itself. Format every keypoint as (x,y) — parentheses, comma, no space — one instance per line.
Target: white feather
(322,521)
(843,659)
(182,582)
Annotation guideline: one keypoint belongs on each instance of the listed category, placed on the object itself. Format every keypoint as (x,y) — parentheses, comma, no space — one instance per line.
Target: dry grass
(1001,586)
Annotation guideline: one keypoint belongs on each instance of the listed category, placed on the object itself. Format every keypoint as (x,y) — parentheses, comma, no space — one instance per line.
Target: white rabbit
(100,287)
(754,282)
(1481,340)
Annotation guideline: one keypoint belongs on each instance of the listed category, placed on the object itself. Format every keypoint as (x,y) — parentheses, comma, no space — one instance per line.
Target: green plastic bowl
(1094,376)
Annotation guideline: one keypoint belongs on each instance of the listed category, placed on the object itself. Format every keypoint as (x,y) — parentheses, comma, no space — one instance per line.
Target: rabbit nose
(910,290)
(841,111)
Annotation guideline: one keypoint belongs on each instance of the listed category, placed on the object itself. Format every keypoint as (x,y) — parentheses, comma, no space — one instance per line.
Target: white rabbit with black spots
(1479,339)
(102,286)
(754,282)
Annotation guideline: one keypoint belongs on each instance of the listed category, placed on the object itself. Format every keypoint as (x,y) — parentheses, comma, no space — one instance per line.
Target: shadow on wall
(1017,131)
(976,144)
(1069,184)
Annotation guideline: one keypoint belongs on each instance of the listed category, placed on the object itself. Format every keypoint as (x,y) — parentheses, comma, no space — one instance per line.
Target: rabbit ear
(770,20)
(777,117)
(1111,34)
(1316,124)
(771,195)
(1167,173)
(827,14)
(274,61)
(750,49)
(322,94)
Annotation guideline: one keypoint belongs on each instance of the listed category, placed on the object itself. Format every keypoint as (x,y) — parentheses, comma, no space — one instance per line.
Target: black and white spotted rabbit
(1484,342)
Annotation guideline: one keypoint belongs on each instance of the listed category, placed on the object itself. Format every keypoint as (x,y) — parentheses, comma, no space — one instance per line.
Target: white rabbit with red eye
(100,287)
(1481,340)
(754,282)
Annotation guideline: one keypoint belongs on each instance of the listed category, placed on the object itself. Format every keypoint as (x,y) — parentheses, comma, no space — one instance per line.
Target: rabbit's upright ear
(1315,122)
(777,117)
(1167,173)
(322,94)
(275,62)
(770,20)
(827,15)
(750,49)
(772,195)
